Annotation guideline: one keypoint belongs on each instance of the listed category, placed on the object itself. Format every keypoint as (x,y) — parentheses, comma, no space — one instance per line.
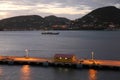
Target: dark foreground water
(105,45)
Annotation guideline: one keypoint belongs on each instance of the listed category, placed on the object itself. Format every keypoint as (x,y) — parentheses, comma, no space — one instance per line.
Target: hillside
(105,18)
(99,19)
(32,22)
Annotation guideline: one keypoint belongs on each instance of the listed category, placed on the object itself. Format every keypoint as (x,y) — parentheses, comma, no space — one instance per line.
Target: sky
(71,9)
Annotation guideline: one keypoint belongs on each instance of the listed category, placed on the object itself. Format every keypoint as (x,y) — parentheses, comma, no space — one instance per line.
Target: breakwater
(49,62)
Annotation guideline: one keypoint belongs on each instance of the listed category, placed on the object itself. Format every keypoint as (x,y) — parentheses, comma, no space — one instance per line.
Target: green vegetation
(105,18)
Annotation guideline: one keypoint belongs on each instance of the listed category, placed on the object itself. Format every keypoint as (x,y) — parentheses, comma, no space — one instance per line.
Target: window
(66,58)
(60,57)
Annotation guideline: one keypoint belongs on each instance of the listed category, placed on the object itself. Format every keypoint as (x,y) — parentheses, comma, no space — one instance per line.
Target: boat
(50,33)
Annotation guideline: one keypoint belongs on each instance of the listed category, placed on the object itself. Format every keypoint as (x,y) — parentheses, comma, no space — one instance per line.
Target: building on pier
(65,58)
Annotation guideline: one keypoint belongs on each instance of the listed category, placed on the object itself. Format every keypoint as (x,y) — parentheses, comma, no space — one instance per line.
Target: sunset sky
(70,9)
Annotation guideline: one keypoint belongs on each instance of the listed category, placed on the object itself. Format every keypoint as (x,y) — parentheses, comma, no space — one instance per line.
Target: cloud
(4,14)
(65,8)
(101,3)
(55,8)
(9,5)
(6,6)
(117,5)
(42,6)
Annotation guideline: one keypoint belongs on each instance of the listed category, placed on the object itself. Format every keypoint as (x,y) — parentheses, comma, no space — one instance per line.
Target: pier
(49,62)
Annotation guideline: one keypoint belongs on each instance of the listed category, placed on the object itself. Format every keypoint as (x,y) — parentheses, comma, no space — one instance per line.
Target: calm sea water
(105,45)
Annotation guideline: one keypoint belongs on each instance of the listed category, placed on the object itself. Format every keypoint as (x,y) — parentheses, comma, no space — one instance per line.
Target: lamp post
(27,52)
(92,55)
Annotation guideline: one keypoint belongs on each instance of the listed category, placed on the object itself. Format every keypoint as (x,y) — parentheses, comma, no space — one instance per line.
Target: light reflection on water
(92,74)
(105,45)
(1,73)
(25,72)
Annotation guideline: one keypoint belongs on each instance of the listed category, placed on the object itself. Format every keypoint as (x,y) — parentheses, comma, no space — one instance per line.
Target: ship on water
(50,33)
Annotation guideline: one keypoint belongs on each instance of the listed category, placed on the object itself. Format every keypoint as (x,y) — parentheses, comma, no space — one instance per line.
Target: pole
(27,52)
(92,55)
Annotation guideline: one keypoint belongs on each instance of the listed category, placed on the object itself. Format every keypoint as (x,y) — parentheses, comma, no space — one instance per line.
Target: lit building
(65,58)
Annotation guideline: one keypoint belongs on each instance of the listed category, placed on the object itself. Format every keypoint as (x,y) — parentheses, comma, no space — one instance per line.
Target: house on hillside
(65,58)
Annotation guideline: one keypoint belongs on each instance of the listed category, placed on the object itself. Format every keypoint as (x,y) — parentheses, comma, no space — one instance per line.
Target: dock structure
(47,62)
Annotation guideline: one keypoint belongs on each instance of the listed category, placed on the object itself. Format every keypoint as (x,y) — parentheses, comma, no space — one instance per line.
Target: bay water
(104,44)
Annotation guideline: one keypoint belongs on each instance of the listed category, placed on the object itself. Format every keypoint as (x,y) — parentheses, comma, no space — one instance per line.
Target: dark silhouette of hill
(53,20)
(31,22)
(105,18)
(21,22)
(99,19)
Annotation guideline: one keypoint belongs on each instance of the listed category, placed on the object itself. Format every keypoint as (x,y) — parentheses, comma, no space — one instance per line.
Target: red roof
(64,55)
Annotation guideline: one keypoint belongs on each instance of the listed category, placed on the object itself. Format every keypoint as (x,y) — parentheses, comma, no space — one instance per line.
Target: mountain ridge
(99,19)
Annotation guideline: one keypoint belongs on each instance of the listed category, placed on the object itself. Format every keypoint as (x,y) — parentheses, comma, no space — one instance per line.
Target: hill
(105,18)
(56,23)
(32,22)
(99,19)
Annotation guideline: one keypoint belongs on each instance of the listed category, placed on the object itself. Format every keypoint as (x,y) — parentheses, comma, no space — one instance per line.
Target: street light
(27,52)
(92,55)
